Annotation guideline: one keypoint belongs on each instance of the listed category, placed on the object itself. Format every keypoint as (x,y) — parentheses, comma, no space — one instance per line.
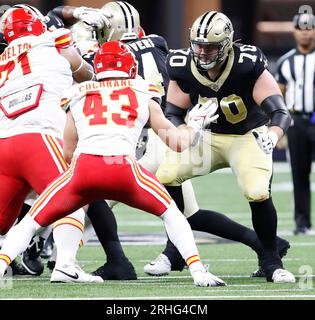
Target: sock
(222,226)
(177,195)
(181,235)
(16,241)
(264,218)
(105,226)
(67,235)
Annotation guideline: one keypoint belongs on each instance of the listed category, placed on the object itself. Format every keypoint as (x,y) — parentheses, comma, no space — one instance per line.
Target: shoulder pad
(146,87)
(158,41)
(67,96)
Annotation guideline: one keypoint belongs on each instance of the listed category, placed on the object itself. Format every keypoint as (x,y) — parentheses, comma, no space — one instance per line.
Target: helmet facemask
(207,55)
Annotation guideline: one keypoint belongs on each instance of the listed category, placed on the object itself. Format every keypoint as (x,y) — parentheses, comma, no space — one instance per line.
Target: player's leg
(149,195)
(50,164)
(253,169)
(58,200)
(117,266)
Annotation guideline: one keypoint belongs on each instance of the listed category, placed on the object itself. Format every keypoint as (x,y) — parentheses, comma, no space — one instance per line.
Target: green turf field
(231,261)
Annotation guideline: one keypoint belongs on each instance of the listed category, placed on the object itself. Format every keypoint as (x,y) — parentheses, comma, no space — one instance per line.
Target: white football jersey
(33,75)
(110,115)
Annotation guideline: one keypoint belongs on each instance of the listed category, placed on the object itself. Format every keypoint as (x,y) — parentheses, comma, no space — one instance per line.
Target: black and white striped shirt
(296,71)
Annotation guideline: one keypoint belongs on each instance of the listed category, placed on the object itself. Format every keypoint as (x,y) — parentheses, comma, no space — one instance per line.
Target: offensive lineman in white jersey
(103,125)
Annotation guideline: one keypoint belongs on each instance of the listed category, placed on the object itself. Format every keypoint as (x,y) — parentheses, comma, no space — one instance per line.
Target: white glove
(266,141)
(201,115)
(203,278)
(94,18)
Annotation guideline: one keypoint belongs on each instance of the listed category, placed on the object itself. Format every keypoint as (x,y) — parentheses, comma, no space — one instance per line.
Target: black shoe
(31,260)
(48,247)
(51,265)
(116,271)
(18,269)
(283,247)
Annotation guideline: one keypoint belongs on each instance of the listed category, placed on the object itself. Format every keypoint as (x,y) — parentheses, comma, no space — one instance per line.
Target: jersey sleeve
(63,39)
(261,64)
(68,97)
(176,70)
(155,92)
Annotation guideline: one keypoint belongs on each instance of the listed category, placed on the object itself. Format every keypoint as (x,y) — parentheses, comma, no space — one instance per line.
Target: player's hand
(266,141)
(201,115)
(94,18)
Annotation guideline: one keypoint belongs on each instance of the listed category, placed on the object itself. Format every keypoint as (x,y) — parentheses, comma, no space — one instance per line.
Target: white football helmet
(211,39)
(124,20)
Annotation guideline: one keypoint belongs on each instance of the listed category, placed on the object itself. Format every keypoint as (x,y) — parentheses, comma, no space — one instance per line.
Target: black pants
(301,140)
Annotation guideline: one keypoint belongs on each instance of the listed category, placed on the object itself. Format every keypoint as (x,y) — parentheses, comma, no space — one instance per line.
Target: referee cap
(304,21)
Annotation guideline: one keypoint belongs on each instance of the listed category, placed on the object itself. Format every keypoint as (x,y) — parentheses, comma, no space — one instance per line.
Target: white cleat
(282,276)
(72,273)
(206,279)
(161,266)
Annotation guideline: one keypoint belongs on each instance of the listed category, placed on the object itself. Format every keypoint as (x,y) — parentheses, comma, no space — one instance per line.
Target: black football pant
(301,140)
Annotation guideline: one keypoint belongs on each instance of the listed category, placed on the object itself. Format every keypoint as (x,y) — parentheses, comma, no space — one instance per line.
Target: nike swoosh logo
(75,276)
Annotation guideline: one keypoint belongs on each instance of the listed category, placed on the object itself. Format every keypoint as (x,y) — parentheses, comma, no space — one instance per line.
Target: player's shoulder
(158,41)
(249,57)
(60,38)
(146,87)
(178,62)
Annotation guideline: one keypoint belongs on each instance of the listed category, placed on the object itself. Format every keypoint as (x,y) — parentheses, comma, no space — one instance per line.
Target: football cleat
(18,269)
(161,266)
(206,279)
(48,248)
(283,247)
(282,276)
(72,273)
(116,271)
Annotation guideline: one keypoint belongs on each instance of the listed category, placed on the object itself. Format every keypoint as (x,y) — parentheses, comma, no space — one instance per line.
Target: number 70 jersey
(232,90)
(110,115)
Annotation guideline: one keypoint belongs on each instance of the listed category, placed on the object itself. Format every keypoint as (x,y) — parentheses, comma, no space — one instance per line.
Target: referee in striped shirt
(295,75)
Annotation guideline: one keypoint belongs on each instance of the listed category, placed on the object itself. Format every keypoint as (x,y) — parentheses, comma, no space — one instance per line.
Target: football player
(29,83)
(101,147)
(236,77)
(151,52)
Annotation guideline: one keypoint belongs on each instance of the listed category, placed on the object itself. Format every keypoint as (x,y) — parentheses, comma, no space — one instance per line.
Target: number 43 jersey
(110,115)
(232,90)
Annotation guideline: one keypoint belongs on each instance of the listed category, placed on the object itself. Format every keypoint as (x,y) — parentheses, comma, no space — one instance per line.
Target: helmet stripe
(131,15)
(127,14)
(204,23)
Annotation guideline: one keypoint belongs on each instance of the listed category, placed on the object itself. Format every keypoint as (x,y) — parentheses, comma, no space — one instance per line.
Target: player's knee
(256,192)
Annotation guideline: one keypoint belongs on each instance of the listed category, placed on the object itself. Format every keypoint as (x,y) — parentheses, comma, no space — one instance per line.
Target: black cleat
(31,260)
(48,248)
(51,265)
(283,247)
(116,271)
(18,269)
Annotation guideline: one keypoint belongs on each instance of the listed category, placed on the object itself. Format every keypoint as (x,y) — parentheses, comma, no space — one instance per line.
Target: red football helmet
(141,33)
(115,60)
(20,23)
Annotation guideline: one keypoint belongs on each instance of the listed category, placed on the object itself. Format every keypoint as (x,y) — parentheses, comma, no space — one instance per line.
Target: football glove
(201,115)
(266,141)
(94,18)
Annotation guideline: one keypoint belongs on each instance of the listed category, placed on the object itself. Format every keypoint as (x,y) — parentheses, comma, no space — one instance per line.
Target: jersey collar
(214,85)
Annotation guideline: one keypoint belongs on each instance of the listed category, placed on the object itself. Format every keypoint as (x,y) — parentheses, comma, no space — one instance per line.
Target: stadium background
(267,24)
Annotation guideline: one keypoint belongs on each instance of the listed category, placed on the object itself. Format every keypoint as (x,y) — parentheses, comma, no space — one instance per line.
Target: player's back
(33,71)
(110,115)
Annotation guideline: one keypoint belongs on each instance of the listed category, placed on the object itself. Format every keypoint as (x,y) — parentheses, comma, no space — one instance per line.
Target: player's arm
(178,139)
(267,94)
(70,138)
(81,70)
(177,104)
(91,16)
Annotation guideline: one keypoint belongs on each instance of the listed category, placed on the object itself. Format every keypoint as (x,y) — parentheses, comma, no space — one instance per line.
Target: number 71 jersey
(110,115)
(232,90)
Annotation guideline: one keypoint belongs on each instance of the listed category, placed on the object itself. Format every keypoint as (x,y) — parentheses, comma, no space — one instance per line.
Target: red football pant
(91,178)
(27,161)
